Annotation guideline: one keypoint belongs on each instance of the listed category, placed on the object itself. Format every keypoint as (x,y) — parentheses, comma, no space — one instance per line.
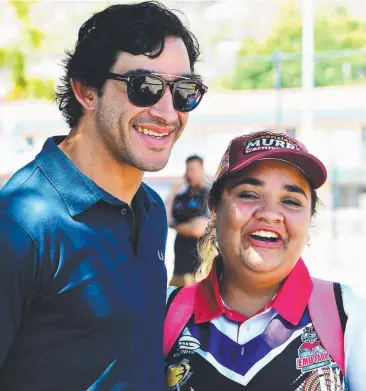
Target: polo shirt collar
(77,190)
(147,195)
(290,302)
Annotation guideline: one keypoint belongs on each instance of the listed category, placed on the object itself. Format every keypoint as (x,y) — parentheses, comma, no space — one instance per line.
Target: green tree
(335,33)
(15,56)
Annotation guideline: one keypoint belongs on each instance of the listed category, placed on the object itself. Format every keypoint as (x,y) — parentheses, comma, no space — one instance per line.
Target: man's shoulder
(28,197)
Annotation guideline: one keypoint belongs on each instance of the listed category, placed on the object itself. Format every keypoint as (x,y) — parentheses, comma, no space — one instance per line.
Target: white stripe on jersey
(244,380)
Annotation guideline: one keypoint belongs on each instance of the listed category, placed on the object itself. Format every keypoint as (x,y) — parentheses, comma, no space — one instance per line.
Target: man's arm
(18,271)
(194,228)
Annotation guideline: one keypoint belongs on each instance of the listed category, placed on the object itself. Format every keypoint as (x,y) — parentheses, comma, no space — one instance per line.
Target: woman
(253,326)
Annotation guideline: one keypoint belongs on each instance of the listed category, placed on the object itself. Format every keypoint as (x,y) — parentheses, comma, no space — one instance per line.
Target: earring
(309,241)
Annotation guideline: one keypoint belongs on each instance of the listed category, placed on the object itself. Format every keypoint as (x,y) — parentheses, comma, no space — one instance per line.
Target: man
(83,282)
(188,215)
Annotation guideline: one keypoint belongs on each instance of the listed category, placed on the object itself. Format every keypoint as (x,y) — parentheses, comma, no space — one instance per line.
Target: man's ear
(85,95)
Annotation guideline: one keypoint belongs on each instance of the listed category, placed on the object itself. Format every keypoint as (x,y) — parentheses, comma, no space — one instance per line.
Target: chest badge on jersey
(178,374)
(311,354)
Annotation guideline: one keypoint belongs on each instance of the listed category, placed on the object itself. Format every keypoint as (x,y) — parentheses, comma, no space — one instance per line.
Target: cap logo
(268,142)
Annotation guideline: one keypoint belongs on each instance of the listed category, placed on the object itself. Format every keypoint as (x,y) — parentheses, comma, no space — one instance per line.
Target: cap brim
(311,166)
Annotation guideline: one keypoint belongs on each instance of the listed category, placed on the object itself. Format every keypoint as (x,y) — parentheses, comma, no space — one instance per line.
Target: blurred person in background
(188,214)
(82,238)
(253,323)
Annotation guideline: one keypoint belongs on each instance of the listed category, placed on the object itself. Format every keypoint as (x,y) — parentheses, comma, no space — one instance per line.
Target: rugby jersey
(276,349)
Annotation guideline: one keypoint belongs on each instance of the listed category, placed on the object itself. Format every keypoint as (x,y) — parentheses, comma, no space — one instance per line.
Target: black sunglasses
(146,89)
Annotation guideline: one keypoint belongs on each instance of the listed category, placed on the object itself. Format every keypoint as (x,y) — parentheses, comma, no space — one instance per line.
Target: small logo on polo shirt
(311,354)
(161,255)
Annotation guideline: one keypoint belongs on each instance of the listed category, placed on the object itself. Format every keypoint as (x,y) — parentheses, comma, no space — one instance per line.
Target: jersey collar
(290,302)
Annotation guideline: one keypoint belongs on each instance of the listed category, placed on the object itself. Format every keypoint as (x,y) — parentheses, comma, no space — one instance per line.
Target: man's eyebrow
(248,181)
(296,189)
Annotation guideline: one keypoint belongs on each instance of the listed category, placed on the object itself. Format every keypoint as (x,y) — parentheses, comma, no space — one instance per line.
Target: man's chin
(153,166)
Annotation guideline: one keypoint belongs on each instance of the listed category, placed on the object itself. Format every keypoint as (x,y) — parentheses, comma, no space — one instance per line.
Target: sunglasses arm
(115,76)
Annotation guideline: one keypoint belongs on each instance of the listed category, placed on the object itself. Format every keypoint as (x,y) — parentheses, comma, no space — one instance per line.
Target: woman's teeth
(264,235)
(151,133)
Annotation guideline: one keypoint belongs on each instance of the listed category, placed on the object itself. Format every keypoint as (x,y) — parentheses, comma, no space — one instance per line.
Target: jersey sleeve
(18,271)
(354,339)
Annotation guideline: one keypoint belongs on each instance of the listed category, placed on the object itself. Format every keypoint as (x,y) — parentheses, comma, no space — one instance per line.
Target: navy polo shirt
(82,282)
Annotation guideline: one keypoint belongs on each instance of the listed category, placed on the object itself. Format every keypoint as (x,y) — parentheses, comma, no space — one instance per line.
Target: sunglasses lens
(187,95)
(145,90)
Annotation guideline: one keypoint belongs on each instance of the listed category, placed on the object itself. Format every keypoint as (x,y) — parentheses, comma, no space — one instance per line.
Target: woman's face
(263,220)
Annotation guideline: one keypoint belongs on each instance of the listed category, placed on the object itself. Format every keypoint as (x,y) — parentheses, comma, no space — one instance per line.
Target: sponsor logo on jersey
(188,343)
(311,354)
(178,375)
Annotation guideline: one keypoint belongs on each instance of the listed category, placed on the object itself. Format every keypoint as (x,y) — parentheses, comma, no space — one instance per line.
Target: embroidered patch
(269,141)
(311,354)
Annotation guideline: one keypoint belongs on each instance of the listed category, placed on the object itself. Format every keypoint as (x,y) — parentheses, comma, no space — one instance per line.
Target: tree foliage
(336,34)
(15,57)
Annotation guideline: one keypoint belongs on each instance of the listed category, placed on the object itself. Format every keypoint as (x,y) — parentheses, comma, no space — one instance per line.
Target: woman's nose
(269,214)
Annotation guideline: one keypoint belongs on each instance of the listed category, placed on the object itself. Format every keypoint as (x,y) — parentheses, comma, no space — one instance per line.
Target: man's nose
(164,109)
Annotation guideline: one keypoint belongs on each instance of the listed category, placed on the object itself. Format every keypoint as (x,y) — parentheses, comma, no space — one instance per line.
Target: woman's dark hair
(132,28)
(207,246)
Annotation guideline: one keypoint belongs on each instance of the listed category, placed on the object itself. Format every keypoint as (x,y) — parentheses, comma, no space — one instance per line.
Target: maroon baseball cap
(247,149)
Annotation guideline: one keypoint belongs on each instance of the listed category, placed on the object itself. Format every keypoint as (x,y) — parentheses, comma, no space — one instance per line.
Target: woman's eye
(249,196)
(292,202)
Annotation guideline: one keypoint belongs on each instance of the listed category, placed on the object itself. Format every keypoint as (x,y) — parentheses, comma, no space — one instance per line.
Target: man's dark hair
(193,158)
(133,28)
